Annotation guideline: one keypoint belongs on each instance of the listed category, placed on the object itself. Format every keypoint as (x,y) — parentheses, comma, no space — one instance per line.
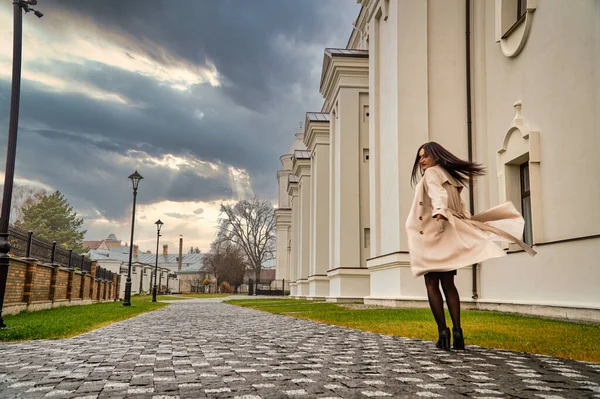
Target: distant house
(191,279)
(111,254)
(109,242)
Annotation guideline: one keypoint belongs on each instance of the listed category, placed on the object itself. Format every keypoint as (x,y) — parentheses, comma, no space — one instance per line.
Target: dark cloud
(268,54)
(199,211)
(236,35)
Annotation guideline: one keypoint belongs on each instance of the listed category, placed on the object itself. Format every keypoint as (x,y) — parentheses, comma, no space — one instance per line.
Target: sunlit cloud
(179,220)
(60,40)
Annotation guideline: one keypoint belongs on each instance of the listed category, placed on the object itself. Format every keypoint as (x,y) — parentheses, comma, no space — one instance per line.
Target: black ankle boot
(444,339)
(459,341)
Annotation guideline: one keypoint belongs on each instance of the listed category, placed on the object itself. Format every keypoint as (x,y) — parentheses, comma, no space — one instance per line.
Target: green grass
(577,341)
(69,321)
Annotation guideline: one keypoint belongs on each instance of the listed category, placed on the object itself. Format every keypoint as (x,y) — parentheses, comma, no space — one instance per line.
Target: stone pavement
(206,349)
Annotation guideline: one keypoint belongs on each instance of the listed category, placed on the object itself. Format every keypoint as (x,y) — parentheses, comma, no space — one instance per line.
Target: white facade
(345,87)
(316,138)
(520,98)
(141,276)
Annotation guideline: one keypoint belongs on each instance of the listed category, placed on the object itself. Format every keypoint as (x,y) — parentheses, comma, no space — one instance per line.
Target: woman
(442,235)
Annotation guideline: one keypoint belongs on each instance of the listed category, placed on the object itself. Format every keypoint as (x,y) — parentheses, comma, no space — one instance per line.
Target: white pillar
(302,172)
(345,86)
(283,220)
(316,138)
(293,193)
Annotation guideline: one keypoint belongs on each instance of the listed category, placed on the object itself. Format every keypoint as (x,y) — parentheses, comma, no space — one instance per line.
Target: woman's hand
(438,217)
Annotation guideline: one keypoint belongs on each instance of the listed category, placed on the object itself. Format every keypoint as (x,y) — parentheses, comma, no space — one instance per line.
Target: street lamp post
(135,178)
(158,224)
(11,150)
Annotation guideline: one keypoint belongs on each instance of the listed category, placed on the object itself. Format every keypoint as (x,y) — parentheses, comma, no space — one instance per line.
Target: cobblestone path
(199,349)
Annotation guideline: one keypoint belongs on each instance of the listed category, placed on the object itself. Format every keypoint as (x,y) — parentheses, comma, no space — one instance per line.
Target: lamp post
(158,224)
(11,150)
(135,178)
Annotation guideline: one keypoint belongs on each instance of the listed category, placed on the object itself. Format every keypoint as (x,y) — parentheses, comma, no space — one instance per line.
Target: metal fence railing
(269,287)
(24,244)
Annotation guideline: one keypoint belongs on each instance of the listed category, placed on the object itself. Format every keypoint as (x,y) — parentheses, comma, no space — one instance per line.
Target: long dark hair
(456,167)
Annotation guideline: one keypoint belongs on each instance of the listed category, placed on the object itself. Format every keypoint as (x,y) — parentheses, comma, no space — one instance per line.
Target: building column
(293,260)
(345,87)
(316,138)
(302,172)
(283,221)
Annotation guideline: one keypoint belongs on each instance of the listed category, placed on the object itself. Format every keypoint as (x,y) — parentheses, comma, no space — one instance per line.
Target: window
(518,9)
(521,8)
(526,203)
(519,175)
(514,20)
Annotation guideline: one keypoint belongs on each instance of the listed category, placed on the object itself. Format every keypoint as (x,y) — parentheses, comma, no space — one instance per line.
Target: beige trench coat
(438,245)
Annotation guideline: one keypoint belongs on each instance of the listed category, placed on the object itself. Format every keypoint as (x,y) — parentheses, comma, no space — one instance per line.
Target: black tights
(432,282)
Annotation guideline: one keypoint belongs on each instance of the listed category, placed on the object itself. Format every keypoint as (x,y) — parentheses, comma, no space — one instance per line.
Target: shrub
(225,288)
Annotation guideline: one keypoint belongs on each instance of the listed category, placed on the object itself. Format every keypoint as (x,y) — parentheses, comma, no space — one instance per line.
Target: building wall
(417,86)
(30,286)
(557,79)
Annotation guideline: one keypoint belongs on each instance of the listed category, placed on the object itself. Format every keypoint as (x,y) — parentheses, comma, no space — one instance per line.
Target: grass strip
(570,340)
(68,321)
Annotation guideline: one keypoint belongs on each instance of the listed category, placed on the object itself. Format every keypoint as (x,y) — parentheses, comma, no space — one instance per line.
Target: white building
(116,259)
(518,93)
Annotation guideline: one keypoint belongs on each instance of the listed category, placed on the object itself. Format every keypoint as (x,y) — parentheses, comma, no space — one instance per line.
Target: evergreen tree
(53,219)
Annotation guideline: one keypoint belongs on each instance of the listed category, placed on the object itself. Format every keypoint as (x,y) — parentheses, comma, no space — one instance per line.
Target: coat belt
(495,230)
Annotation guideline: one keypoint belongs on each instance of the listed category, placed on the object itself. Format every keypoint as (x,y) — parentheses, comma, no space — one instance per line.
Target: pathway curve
(203,348)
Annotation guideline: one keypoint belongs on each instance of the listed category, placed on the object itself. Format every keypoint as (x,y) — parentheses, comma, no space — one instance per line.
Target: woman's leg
(436,303)
(452,297)
(453,301)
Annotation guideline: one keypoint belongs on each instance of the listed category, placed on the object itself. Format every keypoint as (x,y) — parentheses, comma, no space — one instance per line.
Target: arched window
(513,23)
(519,179)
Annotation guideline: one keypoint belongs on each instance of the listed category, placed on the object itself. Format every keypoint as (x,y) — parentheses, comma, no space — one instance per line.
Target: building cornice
(283,216)
(284,156)
(282,173)
(315,132)
(358,36)
(292,186)
(343,72)
(301,167)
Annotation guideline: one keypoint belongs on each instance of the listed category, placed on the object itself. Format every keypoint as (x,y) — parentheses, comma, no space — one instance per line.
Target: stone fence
(34,285)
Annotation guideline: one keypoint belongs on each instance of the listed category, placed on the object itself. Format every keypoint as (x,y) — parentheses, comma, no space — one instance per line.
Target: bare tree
(250,224)
(227,262)
(22,197)
(212,262)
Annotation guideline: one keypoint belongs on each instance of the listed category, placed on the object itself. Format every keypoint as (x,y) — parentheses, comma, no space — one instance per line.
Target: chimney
(135,251)
(165,250)
(180,253)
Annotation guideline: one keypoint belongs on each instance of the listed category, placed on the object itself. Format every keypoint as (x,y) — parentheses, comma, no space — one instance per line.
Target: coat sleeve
(437,193)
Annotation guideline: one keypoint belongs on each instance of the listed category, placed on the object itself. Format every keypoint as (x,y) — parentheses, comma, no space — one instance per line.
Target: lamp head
(135,178)
(158,224)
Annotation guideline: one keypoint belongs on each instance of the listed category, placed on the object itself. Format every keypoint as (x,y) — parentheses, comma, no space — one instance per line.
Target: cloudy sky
(200,96)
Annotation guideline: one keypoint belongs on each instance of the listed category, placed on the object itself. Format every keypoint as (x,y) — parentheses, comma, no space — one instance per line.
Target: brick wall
(41,283)
(15,287)
(86,287)
(76,289)
(29,286)
(62,280)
